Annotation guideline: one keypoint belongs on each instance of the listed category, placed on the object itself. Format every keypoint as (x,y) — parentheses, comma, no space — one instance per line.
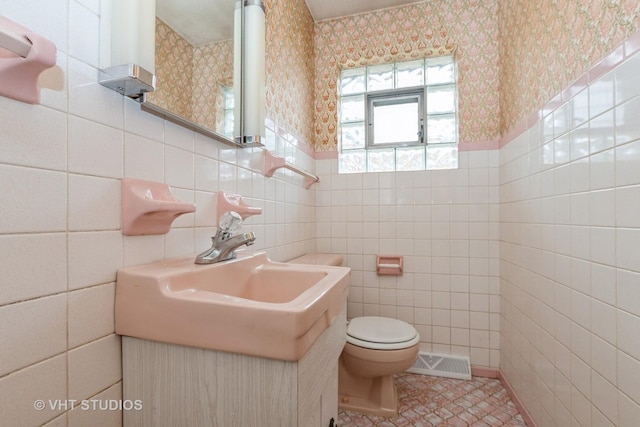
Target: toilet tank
(318,259)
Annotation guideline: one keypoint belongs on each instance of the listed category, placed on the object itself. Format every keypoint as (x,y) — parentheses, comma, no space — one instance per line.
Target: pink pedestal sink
(249,305)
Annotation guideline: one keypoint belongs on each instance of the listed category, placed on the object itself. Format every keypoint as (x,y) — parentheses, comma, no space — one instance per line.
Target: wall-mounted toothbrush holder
(23,56)
(233,202)
(149,207)
(273,163)
(389,265)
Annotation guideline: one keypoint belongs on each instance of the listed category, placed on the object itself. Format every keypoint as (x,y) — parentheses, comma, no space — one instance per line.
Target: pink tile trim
(325,155)
(513,133)
(526,416)
(632,45)
(575,88)
(480,145)
(625,50)
(607,64)
(552,105)
(478,371)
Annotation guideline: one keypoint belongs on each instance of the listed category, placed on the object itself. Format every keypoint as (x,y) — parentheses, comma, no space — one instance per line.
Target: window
(227,110)
(399,116)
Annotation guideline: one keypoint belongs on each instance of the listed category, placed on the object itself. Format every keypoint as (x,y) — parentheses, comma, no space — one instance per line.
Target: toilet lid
(380,330)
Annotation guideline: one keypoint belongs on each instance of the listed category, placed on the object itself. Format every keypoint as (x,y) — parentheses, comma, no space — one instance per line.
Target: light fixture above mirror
(224,93)
(127,40)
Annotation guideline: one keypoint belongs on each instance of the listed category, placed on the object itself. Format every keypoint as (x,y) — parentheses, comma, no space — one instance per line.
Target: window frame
(393,97)
(438,144)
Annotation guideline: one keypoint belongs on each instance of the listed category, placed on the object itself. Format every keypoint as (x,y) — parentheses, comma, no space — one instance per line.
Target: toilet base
(383,403)
(372,395)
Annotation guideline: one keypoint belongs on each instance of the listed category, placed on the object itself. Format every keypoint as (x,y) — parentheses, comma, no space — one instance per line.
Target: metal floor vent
(442,365)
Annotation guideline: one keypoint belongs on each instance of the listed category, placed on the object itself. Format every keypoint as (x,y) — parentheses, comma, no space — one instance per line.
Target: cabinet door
(330,398)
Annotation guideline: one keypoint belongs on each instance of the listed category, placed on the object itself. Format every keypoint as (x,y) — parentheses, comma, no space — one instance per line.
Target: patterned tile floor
(431,401)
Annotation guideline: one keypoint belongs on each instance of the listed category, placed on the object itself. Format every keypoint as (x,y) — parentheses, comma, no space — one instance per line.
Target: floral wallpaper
(290,67)
(546,44)
(289,72)
(189,78)
(212,70)
(467,27)
(173,90)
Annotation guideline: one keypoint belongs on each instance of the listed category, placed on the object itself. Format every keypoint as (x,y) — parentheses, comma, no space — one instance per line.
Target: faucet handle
(230,222)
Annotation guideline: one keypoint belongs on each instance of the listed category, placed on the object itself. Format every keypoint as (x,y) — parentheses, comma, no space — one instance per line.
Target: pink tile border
(478,371)
(607,64)
(480,145)
(622,52)
(632,45)
(325,155)
(575,88)
(526,416)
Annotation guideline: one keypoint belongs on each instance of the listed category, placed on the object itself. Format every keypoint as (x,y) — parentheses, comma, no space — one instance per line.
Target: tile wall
(446,226)
(570,245)
(60,239)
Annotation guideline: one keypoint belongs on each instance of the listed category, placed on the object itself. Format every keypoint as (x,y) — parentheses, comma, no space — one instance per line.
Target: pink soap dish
(149,207)
(233,202)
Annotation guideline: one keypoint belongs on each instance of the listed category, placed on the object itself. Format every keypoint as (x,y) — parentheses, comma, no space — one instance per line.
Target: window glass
(381,160)
(440,71)
(353,161)
(441,99)
(410,74)
(353,81)
(441,129)
(410,159)
(353,136)
(398,116)
(442,157)
(396,121)
(380,77)
(352,109)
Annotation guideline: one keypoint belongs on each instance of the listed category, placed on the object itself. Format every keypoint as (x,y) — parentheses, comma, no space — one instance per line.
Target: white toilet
(377,348)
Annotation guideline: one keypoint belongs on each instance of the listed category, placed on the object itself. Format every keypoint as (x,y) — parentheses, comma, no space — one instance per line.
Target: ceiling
(325,9)
(204,21)
(198,21)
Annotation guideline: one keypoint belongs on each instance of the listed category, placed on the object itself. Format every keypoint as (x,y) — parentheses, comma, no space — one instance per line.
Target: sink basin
(249,305)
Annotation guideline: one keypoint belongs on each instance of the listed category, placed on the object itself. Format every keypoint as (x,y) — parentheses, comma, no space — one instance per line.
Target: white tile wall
(445,225)
(570,270)
(60,242)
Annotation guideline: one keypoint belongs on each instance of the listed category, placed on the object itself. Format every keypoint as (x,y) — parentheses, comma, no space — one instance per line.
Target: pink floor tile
(427,401)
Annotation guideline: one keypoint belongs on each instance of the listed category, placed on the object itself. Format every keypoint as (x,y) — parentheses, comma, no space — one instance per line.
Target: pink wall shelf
(149,207)
(23,56)
(233,202)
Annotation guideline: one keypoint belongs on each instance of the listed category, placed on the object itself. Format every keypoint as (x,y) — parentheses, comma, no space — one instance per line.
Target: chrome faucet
(223,245)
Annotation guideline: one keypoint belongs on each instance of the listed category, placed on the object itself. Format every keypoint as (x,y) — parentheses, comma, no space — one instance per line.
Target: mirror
(197,67)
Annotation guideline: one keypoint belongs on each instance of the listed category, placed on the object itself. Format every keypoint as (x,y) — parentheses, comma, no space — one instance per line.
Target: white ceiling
(204,21)
(325,9)
(198,21)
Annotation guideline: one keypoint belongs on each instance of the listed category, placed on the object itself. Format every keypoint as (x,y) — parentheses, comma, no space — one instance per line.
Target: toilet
(377,348)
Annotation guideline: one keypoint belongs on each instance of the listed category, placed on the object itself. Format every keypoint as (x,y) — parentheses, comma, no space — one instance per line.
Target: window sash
(391,98)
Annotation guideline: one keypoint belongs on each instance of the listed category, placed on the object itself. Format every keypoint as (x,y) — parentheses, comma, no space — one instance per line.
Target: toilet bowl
(377,348)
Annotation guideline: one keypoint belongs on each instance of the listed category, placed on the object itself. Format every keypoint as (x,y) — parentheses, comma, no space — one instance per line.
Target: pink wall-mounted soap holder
(233,202)
(23,56)
(149,207)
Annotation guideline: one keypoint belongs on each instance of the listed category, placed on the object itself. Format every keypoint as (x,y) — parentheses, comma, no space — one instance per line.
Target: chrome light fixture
(128,46)
(249,50)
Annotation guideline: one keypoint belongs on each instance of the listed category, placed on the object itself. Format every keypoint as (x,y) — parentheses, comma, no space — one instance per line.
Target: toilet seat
(381,333)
